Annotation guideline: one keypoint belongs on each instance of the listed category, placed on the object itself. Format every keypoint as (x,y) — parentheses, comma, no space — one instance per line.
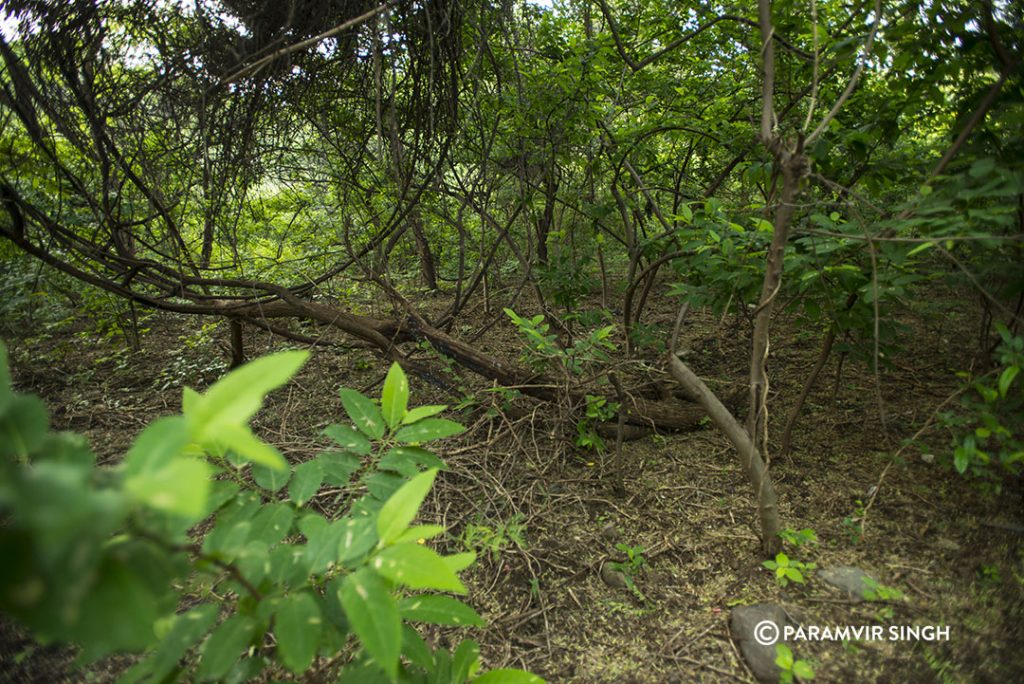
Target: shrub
(213,575)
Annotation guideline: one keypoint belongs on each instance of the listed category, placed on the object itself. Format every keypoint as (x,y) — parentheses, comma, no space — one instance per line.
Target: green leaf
(803,670)
(162,441)
(323,542)
(298,626)
(395,396)
(1006,379)
(439,610)
(363,412)
(187,630)
(306,483)
(253,561)
(348,439)
(408,461)
(359,536)
(508,676)
(421,412)
(465,661)
(457,562)
(23,426)
(428,429)
(417,567)
(338,466)
(243,442)
(961,460)
(189,400)
(398,511)
(225,645)
(783,656)
(419,533)
(920,248)
(382,486)
(235,398)
(271,479)
(179,487)
(373,615)
(289,565)
(272,523)
(415,649)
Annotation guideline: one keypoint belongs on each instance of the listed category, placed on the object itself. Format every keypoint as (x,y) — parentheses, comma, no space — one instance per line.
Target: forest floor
(544,516)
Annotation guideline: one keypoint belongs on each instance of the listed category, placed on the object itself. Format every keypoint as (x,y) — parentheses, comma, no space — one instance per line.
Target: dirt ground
(544,516)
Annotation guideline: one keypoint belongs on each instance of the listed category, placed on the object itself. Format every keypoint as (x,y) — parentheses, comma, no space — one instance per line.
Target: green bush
(216,576)
(989,432)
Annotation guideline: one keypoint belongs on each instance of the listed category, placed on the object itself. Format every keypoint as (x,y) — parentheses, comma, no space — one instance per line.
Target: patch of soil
(545,516)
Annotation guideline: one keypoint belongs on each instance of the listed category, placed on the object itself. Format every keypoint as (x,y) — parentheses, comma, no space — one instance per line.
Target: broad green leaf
(232,541)
(465,660)
(187,630)
(363,412)
(398,511)
(272,523)
(373,615)
(297,626)
(322,545)
(383,485)
(253,561)
(421,412)
(364,671)
(783,656)
(338,467)
(179,487)
(349,439)
(438,610)
(419,533)
(157,445)
(221,491)
(417,567)
(306,482)
(920,248)
(508,676)
(457,562)
(224,645)
(289,565)
(235,398)
(394,397)
(408,461)
(243,442)
(428,429)
(239,511)
(1006,379)
(415,649)
(961,460)
(803,670)
(23,426)
(189,400)
(358,538)
(271,479)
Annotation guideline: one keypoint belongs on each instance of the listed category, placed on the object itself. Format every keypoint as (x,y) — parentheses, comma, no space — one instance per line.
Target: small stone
(610,533)
(613,578)
(756,639)
(853,582)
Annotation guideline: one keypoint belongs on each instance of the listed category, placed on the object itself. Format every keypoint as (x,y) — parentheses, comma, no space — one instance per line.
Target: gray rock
(613,578)
(744,622)
(853,582)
